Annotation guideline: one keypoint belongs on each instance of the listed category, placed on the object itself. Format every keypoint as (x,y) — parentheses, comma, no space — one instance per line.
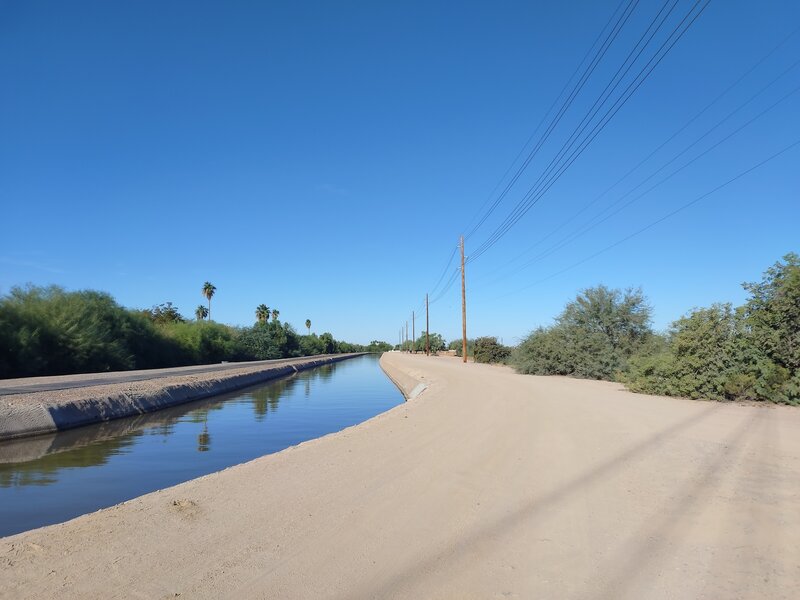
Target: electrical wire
(661,145)
(555,171)
(660,219)
(599,219)
(567,103)
(601,52)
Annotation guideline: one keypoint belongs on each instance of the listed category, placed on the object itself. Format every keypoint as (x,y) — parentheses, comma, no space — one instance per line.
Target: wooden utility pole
(427,328)
(407,346)
(463,305)
(413,334)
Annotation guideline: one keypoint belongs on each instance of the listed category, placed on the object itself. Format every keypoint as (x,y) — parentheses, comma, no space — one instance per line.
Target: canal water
(53,478)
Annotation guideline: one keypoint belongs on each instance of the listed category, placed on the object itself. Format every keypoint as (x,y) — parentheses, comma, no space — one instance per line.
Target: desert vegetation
(721,352)
(52,331)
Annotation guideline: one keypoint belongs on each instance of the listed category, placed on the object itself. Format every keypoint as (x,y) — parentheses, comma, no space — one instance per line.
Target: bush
(458,346)
(701,360)
(49,331)
(751,353)
(594,337)
(489,350)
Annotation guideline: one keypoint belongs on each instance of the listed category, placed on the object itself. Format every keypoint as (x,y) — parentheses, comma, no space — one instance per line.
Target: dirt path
(488,485)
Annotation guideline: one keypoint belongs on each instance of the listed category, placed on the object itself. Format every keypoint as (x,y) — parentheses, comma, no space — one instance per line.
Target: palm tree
(201,312)
(262,313)
(275,314)
(208,291)
(308,326)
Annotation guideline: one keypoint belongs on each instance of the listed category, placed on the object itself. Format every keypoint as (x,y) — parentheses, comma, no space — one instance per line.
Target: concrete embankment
(23,415)
(409,385)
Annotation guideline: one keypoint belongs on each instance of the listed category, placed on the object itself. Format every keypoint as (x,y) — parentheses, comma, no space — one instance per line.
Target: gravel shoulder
(487,485)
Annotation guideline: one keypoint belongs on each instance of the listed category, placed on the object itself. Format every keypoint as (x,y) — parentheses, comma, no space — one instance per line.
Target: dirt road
(488,485)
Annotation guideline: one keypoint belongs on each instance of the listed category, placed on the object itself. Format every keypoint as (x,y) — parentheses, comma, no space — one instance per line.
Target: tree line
(721,352)
(52,331)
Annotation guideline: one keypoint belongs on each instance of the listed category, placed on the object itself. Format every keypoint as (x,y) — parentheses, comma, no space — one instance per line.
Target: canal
(53,478)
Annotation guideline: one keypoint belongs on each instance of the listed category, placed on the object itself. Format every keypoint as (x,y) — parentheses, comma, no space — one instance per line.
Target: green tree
(594,337)
(208,291)
(718,353)
(328,343)
(201,312)
(702,357)
(458,346)
(262,313)
(378,346)
(489,350)
(435,340)
(308,326)
(165,313)
(772,317)
(275,314)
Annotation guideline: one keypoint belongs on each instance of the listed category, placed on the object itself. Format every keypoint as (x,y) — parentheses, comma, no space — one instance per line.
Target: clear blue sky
(323,157)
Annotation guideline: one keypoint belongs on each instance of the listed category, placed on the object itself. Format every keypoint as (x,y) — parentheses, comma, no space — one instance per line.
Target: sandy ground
(488,485)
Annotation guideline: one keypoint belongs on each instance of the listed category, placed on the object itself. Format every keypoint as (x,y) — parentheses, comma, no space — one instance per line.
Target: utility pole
(413,334)
(407,346)
(463,305)
(427,328)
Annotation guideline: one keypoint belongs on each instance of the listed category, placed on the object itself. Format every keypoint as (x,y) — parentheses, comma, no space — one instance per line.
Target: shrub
(489,350)
(594,337)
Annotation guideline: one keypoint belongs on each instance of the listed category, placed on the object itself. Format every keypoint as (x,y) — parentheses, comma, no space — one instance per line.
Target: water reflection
(36,461)
(266,399)
(53,477)
(29,461)
(44,470)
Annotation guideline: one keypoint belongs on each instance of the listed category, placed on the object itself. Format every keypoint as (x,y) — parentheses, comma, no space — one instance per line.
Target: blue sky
(323,158)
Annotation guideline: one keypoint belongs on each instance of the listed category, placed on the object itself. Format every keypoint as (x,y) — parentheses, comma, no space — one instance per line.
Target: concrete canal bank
(40,412)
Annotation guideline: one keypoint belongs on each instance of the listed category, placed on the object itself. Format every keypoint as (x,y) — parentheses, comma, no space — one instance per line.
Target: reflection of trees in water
(44,470)
(266,398)
(204,438)
(37,461)
(325,372)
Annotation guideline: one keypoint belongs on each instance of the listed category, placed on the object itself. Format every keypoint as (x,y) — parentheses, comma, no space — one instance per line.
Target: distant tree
(308,326)
(458,346)
(165,313)
(201,312)
(328,343)
(378,346)
(435,340)
(489,350)
(275,314)
(262,313)
(208,291)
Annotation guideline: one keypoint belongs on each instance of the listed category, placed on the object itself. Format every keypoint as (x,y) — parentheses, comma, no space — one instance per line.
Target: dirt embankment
(36,413)
(488,485)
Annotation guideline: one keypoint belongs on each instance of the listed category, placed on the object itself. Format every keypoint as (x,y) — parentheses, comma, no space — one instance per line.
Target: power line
(448,285)
(444,271)
(661,219)
(599,219)
(555,171)
(610,38)
(664,143)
